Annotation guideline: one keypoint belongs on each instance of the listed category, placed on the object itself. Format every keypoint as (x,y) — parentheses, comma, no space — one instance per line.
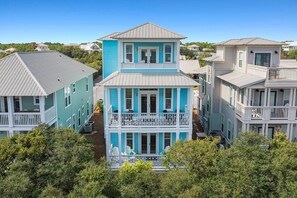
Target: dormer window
(129,53)
(262,59)
(168,53)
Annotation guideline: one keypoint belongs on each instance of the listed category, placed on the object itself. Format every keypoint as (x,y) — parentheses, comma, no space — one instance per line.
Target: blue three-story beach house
(147,100)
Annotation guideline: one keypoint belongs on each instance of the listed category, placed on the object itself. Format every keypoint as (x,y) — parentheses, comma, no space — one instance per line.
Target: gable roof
(108,37)
(249,41)
(148,31)
(39,73)
(148,79)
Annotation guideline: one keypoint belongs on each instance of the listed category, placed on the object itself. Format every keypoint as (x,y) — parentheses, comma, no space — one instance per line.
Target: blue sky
(74,21)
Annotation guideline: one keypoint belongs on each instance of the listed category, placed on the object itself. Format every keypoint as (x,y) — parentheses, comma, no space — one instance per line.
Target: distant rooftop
(39,73)
(145,31)
(249,41)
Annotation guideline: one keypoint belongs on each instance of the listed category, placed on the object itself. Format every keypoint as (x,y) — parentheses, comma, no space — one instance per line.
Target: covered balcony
(20,111)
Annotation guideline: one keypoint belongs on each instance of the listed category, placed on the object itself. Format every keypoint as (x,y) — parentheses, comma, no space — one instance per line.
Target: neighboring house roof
(148,79)
(90,47)
(193,45)
(202,70)
(10,49)
(288,63)
(2,51)
(249,41)
(189,66)
(241,80)
(109,37)
(214,58)
(71,45)
(39,73)
(148,31)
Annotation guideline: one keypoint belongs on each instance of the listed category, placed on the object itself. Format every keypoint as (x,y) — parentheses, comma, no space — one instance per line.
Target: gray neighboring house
(247,88)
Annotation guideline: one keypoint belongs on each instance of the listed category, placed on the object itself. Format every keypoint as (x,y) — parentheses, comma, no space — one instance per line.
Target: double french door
(148,55)
(148,102)
(148,143)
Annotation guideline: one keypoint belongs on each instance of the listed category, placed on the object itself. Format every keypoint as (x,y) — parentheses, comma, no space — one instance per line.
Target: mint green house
(147,99)
(44,87)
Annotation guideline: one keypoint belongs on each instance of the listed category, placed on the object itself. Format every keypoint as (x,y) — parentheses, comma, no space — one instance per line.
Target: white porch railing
(149,119)
(26,119)
(282,74)
(116,161)
(50,114)
(149,66)
(279,112)
(4,119)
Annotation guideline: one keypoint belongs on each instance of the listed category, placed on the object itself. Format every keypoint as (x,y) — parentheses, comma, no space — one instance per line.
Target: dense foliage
(93,59)
(59,163)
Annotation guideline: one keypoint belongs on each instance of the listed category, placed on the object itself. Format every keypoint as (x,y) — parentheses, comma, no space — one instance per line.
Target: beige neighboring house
(193,47)
(90,47)
(246,87)
(42,47)
(10,50)
(71,45)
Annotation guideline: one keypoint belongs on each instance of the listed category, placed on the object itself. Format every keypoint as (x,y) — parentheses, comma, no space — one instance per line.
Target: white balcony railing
(148,119)
(279,112)
(4,119)
(149,66)
(282,74)
(50,114)
(117,161)
(26,119)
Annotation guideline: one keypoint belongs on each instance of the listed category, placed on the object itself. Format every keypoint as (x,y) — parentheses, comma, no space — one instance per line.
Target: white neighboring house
(10,50)
(193,47)
(71,45)
(42,47)
(247,88)
(2,51)
(292,45)
(90,47)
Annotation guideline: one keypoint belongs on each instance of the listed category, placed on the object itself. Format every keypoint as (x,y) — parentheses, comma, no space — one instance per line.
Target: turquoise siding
(148,70)
(160,142)
(173,138)
(183,136)
(114,140)
(136,98)
(78,99)
(123,143)
(110,57)
(136,144)
(28,102)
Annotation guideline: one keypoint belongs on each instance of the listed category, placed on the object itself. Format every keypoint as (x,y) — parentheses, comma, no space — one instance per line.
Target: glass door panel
(143,57)
(144,144)
(17,104)
(143,103)
(272,101)
(153,103)
(270,134)
(153,56)
(153,143)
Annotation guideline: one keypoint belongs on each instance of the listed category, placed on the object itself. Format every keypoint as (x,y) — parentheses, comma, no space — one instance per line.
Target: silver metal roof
(241,80)
(39,73)
(249,41)
(148,31)
(108,37)
(176,79)
(189,66)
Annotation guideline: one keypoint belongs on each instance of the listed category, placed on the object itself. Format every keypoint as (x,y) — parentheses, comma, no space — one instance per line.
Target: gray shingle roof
(176,79)
(39,73)
(148,31)
(249,41)
(189,66)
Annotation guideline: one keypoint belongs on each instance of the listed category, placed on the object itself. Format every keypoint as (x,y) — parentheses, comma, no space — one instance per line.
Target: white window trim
(88,108)
(164,60)
(125,44)
(164,95)
(34,100)
(240,51)
(73,115)
(79,117)
(157,55)
(260,52)
(83,110)
(66,96)
(132,103)
(208,74)
(164,139)
(132,141)
(68,121)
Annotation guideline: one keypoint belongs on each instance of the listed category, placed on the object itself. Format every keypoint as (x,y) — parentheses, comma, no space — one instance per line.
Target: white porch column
(291,97)
(120,147)
(190,107)
(266,130)
(250,97)
(265,98)
(42,108)
(263,130)
(177,54)
(268,98)
(106,107)
(177,135)
(10,110)
(177,107)
(107,140)
(245,96)
(119,107)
